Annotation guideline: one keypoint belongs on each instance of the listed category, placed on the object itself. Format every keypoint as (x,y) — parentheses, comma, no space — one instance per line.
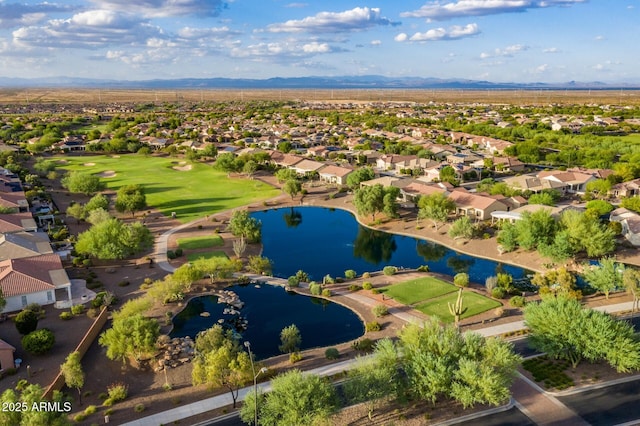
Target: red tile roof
(28,275)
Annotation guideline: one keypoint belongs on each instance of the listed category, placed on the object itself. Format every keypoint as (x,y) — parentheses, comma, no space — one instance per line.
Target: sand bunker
(89,164)
(62,161)
(107,174)
(182,168)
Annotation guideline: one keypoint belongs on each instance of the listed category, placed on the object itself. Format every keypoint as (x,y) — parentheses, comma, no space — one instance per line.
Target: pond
(324,241)
(267,310)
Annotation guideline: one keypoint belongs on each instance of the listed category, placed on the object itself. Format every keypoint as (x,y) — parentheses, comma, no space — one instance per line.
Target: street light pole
(255,382)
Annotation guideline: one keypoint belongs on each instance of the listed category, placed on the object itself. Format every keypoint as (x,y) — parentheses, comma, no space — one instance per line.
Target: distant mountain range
(345,82)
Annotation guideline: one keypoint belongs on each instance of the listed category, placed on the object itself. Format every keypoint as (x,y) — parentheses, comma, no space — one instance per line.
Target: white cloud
(356,19)
(296,5)
(551,50)
(542,68)
(401,37)
(315,47)
(282,51)
(439,10)
(376,42)
(453,33)
(164,8)
(14,15)
(508,51)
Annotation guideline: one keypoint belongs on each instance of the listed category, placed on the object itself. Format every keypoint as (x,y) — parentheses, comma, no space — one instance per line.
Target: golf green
(191,190)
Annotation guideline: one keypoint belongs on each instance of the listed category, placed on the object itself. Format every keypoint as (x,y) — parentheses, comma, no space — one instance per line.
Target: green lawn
(474,302)
(190,194)
(414,291)
(200,242)
(191,257)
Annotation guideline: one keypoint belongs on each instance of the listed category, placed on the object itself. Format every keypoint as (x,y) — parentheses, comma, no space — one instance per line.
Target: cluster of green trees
(241,224)
(432,363)
(110,238)
(247,163)
(370,200)
(574,233)
(20,403)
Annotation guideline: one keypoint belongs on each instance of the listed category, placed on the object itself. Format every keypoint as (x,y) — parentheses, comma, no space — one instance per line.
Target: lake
(324,241)
(268,310)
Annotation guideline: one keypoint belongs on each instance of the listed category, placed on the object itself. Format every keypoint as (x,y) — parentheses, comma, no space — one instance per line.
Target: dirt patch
(107,174)
(184,168)
(89,164)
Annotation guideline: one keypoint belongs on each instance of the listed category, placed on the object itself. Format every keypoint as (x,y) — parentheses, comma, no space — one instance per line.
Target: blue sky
(497,40)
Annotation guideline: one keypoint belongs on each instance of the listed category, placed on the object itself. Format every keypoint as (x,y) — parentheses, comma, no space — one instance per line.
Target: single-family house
(17,222)
(533,183)
(15,201)
(416,189)
(475,206)
(507,164)
(307,166)
(630,222)
(625,189)
(576,182)
(392,162)
(38,279)
(385,181)
(23,244)
(333,174)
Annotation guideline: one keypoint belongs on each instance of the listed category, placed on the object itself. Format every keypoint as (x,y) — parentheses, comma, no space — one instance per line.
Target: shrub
(380,310)
(490,283)
(102,396)
(389,270)
(328,279)
(293,281)
(123,283)
(497,293)
(350,274)
(26,322)
(77,309)
(461,279)
(423,268)
(108,411)
(302,276)
(373,326)
(80,417)
(366,275)
(295,357)
(178,252)
(38,342)
(375,291)
(90,410)
(66,315)
(139,408)
(339,280)
(315,289)
(93,313)
(517,301)
(499,312)
(331,353)
(367,285)
(171,255)
(326,292)
(354,287)
(37,309)
(118,391)
(363,345)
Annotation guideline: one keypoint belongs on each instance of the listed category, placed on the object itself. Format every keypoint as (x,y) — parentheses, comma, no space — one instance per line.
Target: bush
(66,315)
(295,357)
(375,291)
(139,408)
(389,270)
(178,252)
(37,309)
(350,274)
(302,276)
(80,417)
(26,322)
(423,268)
(367,285)
(380,310)
(117,392)
(90,410)
(331,353)
(93,313)
(328,279)
(373,326)
(366,275)
(517,301)
(87,262)
(461,279)
(171,255)
(498,293)
(326,292)
(315,289)
(38,342)
(293,281)
(354,287)
(363,345)
(77,309)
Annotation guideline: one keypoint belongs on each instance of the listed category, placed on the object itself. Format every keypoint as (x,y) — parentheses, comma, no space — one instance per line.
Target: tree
(249,168)
(536,229)
(599,187)
(290,339)
(631,281)
(97,216)
(631,203)
(242,224)
(461,279)
(605,278)
(98,201)
(131,198)
(186,275)
(220,361)
(73,374)
(599,207)
(360,175)
(292,187)
(508,237)
(557,283)
(294,399)
(389,201)
(563,329)
(226,162)
(77,211)
(543,198)
(435,207)
(374,378)
(369,200)
(448,174)
(29,395)
(26,321)
(131,336)
(217,267)
(85,183)
(461,228)
(439,361)
(284,175)
(260,265)
(112,239)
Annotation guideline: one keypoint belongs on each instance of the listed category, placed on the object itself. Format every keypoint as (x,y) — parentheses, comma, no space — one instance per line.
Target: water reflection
(460,264)
(292,218)
(431,252)
(374,246)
